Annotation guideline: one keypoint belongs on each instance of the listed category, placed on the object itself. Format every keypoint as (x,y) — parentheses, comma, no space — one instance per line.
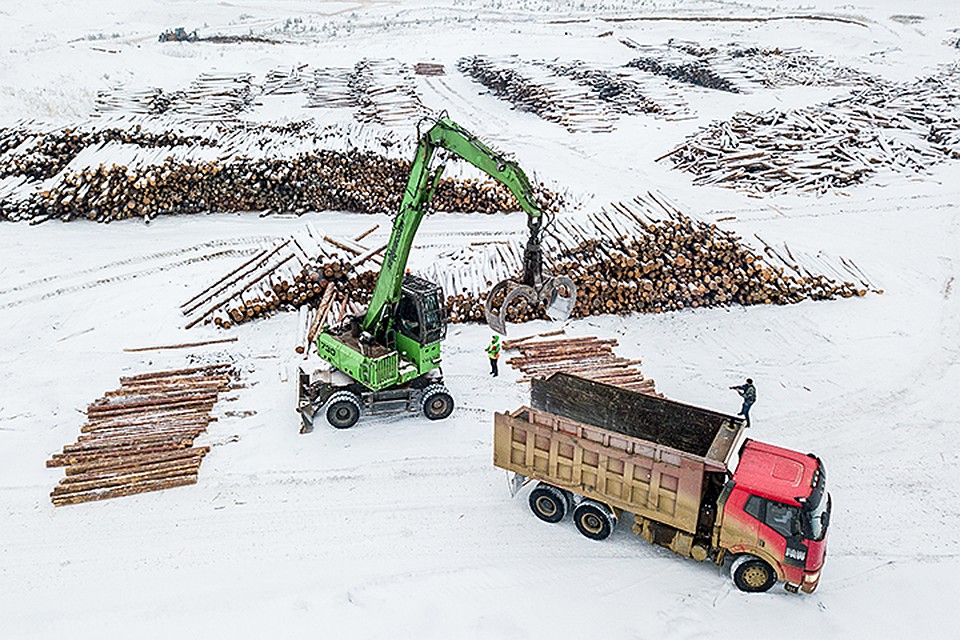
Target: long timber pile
(140,437)
(572,94)
(210,98)
(42,175)
(588,357)
(736,69)
(379,91)
(644,256)
(310,270)
(906,128)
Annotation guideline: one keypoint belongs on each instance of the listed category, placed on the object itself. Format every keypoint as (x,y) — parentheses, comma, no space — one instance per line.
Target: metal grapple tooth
(559,294)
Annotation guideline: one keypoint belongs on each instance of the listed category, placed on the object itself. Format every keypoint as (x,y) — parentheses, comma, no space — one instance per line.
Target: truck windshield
(816,511)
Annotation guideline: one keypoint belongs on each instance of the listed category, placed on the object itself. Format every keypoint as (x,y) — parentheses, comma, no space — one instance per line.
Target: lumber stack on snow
(140,437)
(645,255)
(308,270)
(589,357)
(736,69)
(574,95)
(112,173)
(905,128)
(378,91)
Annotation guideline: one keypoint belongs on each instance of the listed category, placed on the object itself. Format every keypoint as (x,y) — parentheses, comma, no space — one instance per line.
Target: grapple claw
(557,295)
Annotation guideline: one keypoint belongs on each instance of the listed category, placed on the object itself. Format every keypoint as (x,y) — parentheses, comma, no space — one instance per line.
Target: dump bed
(639,453)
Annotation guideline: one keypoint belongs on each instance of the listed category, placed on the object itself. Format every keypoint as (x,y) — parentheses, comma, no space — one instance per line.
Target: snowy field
(401,527)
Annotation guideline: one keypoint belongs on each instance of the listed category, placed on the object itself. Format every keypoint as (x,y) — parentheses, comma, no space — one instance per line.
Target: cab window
(782,518)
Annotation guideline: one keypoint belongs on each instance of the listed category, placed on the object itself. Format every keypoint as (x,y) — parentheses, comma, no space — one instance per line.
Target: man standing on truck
(749,394)
(493,351)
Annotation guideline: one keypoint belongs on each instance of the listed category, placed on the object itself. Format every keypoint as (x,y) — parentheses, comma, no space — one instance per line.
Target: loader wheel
(548,503)
(437,403)
(751,574)
(343,411)
(594,520)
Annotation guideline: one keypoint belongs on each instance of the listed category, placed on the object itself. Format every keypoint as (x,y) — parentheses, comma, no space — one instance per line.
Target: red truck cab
(774,516)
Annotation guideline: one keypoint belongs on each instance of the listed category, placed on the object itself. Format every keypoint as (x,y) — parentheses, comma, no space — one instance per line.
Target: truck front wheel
(594,520)
(751,574)
(548,503)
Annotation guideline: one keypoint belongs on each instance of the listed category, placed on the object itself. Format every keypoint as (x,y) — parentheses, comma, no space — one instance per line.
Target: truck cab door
(741,521)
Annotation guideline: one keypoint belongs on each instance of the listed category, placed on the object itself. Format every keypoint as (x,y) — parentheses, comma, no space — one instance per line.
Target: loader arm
(421,185)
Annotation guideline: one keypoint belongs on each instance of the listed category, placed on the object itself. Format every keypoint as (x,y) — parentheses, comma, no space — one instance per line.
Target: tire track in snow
(109,279)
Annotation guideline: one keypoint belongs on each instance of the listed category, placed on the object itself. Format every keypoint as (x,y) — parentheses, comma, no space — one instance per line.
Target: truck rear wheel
(437,403)
(751,574)
(343,411)
(548,503)
(594,520)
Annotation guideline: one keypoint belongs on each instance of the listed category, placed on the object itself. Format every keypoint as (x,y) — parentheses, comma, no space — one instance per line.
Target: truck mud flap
(517,481)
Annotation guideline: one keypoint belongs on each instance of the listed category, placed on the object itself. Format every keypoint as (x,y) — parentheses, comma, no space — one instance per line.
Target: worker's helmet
(749,380)
(496,338)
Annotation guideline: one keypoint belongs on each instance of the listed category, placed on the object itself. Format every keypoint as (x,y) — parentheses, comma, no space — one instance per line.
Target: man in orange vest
(493,350)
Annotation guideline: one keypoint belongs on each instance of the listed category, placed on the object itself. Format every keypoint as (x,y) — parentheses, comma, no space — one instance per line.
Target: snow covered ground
(402,527)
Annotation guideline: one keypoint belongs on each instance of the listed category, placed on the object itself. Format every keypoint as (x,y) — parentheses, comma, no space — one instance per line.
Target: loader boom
(421,185)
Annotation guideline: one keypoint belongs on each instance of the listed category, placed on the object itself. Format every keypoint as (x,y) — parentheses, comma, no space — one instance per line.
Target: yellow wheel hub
(755,576)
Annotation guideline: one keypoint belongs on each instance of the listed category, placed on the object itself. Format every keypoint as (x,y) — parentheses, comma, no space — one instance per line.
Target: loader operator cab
(421,314)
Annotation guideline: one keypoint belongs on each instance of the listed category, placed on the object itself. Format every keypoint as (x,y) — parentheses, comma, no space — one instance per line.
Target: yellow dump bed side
(639,476)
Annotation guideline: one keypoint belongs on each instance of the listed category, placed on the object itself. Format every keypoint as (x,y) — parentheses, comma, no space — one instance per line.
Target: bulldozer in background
(179,34)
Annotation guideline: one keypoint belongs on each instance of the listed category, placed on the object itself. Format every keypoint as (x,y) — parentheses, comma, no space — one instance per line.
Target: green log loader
(388,360)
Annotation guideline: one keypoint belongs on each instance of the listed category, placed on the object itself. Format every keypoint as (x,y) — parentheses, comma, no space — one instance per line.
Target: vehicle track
(90,284)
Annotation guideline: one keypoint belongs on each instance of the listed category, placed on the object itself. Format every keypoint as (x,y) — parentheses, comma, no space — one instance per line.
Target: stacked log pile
(639,256)
(308,270)
(285,81)
(646,256)
(210,97)
(429,69)
(379,91)
(549,96)
(621,94)
(39,155)
(734,68)
(140,437)
(352,180)
(695,72)
(589,357)
(904,128)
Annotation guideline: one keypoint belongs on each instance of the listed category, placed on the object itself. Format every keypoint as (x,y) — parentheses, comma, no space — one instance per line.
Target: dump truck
(598,452)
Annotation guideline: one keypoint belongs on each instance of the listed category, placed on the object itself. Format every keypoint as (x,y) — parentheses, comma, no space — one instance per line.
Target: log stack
(588,357)
(697,73)
(326,180)
(646,256)
(576,102)
(639,256)
(621,94)
(904,128)
(140,437)
(300,271)
(429,69)
(736,68)
(379,91)
(39,155)
(211,97)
